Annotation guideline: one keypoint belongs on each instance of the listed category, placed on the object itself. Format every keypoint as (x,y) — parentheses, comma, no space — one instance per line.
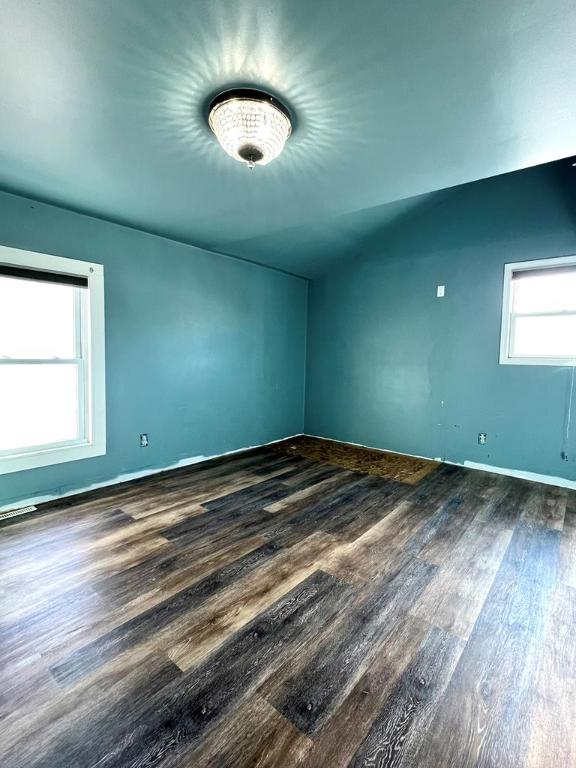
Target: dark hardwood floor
(267,610)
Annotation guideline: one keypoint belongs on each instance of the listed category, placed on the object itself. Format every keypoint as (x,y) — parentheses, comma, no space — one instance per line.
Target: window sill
(557,361)
(53,455)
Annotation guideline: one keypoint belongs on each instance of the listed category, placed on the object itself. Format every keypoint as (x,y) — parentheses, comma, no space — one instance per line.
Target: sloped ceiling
(102,110)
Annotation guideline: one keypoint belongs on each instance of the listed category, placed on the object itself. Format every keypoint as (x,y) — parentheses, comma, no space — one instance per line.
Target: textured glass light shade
(251,129)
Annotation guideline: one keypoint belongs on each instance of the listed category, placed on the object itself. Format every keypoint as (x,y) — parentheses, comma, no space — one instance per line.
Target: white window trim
(507,327)
(95,390)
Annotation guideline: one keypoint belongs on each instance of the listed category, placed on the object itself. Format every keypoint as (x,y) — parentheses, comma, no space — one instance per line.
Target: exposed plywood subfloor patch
(394,466)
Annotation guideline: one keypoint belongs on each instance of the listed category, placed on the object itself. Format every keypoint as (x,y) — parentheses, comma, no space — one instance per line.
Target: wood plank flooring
(273,611)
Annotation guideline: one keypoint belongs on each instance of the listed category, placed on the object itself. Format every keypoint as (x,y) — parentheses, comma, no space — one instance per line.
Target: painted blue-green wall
(204,353)
(392,366)
(208,354)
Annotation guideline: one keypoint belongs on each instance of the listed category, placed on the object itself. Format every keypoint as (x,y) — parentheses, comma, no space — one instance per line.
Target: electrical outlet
(440,291)
(482,438)
(144,440)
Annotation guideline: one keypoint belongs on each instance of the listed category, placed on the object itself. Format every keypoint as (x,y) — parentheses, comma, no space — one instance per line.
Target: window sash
(521,270)
(43,447)
(512,354)
(561,313)
(83,402)
(39,360)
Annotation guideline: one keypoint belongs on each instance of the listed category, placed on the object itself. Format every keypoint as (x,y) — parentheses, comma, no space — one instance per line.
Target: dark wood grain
(336,742)
(552,732)
(309,697)
(91,656)
(568,545)
(401,726)
(256,735)
(176,716)
(272,611)
(484,719)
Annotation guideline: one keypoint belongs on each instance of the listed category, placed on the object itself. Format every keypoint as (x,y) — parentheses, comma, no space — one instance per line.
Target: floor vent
(16,512)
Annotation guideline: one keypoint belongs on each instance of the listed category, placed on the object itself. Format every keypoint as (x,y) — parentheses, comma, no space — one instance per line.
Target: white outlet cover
(440,291)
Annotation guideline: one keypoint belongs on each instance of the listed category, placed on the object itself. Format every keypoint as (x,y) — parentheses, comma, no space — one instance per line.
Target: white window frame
(92,396)
(507,328)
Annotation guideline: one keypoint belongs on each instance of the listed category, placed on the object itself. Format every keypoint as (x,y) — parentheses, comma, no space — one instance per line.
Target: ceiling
(102,110)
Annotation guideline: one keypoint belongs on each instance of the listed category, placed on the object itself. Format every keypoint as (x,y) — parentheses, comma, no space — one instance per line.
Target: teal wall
(204,353)
(207,354)
(392,366)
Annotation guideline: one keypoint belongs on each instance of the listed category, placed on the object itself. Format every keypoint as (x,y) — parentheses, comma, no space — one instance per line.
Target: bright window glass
(546,336)
(39,405)
(37,319)
(545,291)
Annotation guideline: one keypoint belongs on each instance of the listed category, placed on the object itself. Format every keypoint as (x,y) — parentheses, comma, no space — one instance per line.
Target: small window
(51,360)
(539,313)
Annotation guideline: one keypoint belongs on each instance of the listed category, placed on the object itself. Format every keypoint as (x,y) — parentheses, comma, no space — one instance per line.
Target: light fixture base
(256,94)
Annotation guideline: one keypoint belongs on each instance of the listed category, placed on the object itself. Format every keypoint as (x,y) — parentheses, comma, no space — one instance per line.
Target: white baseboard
(34,500)
(532,476)
(562,482)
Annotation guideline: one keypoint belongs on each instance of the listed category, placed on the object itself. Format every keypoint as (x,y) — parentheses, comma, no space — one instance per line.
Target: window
(539,312)
(52,406)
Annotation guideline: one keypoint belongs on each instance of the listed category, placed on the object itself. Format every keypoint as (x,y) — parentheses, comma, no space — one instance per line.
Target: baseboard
(140,474)
(131,476)
(534,477)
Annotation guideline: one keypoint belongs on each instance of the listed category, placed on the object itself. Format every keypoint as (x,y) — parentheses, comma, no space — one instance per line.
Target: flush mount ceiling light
(251,126)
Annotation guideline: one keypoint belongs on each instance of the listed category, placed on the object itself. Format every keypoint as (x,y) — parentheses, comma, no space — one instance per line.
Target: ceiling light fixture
(251,126)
